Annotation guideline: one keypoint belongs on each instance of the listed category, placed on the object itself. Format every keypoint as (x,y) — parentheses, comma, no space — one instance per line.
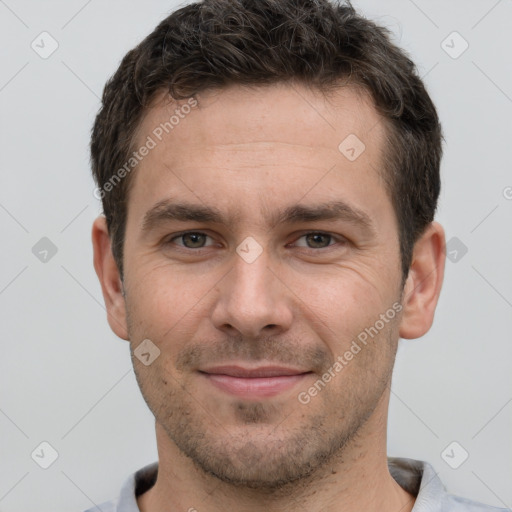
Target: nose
(252,300)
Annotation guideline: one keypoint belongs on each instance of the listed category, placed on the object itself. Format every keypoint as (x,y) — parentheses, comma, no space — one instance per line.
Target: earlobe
(423,285)
(110,280)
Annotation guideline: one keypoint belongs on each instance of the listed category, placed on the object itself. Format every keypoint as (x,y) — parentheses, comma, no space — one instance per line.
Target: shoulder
(420,479)
(136,484)
(453,503)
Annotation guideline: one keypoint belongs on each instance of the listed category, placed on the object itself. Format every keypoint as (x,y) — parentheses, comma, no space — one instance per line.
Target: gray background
(65,377)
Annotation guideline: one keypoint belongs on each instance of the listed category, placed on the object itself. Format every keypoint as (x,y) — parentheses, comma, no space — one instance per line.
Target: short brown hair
(319,43)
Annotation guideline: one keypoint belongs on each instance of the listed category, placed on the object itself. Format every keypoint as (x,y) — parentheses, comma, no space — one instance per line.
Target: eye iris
(196,239)
(315,240)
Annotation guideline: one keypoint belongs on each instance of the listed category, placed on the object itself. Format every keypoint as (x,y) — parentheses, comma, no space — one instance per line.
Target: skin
(250,152)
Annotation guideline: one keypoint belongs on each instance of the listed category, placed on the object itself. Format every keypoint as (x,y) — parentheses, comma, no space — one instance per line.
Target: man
(269,172)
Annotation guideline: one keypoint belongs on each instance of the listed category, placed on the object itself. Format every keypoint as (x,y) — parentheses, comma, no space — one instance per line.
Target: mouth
(260,382)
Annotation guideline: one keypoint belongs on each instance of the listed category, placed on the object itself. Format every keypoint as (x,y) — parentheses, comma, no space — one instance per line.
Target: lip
(261,382)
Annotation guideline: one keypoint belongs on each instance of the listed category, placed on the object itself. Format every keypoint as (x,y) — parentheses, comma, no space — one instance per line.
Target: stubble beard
(262,453)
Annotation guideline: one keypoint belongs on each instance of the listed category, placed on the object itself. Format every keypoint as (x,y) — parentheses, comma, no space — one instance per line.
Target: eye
(316,240)
(190,240)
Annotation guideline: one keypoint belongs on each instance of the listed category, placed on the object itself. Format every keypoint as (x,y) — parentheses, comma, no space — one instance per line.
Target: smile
(254,383)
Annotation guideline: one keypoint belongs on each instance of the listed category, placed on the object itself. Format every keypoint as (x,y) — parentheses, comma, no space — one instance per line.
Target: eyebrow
(333,210)
(168,210)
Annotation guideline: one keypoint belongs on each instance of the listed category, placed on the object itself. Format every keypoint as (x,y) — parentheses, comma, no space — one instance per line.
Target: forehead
(238,140)
(238,114)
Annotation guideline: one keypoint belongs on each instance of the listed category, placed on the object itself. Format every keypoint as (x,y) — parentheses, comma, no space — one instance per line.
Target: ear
(110,280)
(424,281)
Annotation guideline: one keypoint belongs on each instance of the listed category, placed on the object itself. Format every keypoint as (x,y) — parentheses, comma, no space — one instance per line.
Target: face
(256,256)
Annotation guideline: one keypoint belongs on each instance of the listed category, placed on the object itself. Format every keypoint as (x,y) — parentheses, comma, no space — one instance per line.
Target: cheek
(165,302)
(345,306)
(343,295)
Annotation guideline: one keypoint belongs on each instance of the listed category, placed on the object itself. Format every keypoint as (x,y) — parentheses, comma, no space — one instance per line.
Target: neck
(357,479)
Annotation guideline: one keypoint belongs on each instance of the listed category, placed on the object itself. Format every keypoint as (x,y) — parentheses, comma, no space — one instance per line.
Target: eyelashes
(314,240)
